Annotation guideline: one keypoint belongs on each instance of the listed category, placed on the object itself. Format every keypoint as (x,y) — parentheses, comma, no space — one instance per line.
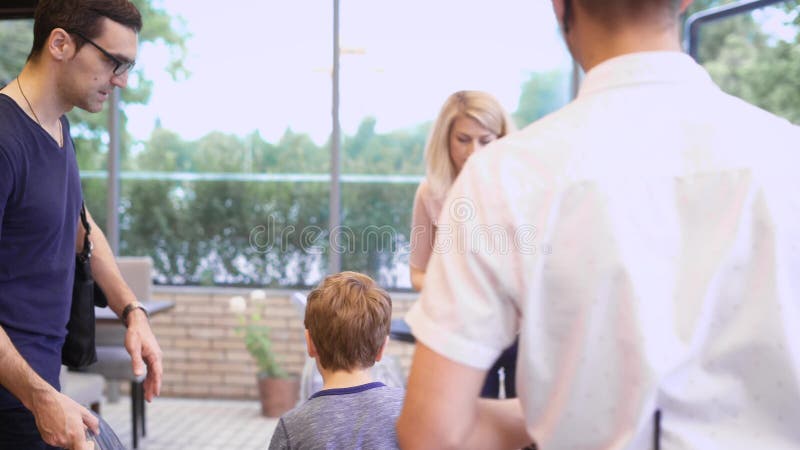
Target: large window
(227,180)
(227,123)
(226,150)
(400,62)
(756,56)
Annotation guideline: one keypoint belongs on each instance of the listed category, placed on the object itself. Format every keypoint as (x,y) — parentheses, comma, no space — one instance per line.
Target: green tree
(750,62)
(543,93)
(16,38)
(395,153)
(232,232)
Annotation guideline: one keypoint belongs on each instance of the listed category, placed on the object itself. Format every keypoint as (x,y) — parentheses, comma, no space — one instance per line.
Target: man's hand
(62,422)
(144,350)
(441,388)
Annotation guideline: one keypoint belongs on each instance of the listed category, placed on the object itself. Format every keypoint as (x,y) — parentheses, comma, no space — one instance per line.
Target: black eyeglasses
(120,67)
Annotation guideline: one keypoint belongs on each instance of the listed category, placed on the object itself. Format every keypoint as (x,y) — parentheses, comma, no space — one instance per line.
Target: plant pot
(278,395)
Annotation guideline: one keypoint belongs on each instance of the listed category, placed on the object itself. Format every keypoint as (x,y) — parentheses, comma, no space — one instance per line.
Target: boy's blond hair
(348,318)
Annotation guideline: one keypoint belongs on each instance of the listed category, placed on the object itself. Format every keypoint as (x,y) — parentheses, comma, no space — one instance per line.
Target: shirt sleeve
(422,231)
(468,309)
(280,438)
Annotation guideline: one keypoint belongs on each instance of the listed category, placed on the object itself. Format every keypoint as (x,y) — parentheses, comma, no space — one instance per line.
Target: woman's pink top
(423,225)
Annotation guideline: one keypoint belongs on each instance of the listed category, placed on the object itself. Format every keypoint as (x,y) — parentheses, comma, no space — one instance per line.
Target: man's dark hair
(613,13)
(80,16)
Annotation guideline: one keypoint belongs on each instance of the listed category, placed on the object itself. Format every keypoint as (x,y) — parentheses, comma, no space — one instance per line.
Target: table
(106,315)
(400,331)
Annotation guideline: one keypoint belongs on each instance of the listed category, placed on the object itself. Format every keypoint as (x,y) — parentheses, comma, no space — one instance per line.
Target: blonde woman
(468,121)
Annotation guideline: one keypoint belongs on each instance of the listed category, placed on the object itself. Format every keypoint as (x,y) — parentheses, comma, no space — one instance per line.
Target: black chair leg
(142,405)
(135,413)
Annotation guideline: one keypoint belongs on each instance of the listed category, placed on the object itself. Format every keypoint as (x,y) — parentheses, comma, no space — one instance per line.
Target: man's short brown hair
(613,13)
(348,317)
(80,16)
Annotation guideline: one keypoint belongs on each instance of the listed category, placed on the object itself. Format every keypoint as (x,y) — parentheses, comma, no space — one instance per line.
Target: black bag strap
(86,253)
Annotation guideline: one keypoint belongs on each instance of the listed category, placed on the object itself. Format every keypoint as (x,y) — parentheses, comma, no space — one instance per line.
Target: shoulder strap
(85,222)
(87,244)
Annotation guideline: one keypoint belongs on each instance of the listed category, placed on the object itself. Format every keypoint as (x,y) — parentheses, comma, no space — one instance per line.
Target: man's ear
(565,14)
(558,8)
(383,349)
(312,350)
(60,44)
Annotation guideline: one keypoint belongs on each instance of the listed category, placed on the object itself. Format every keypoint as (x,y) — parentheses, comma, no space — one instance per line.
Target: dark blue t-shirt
(40,201)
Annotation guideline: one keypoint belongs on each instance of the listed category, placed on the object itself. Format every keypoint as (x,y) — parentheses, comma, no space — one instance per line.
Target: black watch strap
(129,308)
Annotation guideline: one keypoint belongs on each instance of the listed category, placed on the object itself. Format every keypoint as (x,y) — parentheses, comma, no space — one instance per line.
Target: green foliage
(542,94)
(377,219)
(16,39)
(258,342)
(228,229)
(274,233)
(394,153)
(158,26)
(751,64)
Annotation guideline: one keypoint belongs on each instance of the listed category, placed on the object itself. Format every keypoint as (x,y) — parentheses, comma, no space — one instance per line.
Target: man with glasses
(660,304)
(120,66)
(40,231)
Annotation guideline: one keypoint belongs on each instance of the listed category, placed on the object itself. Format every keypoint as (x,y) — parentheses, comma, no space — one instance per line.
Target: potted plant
(277,390)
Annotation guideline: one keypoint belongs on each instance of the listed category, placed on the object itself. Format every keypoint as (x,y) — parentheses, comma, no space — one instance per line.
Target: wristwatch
(129,308)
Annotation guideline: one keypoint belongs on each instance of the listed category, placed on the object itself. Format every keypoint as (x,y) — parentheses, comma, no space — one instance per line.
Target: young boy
(347,328)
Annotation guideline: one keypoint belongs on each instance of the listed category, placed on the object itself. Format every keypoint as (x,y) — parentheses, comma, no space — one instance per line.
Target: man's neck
(595,44)
(344,379)
(37,91)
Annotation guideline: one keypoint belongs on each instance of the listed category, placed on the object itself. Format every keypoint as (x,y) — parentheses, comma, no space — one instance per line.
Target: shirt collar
(348,390)
(643,68)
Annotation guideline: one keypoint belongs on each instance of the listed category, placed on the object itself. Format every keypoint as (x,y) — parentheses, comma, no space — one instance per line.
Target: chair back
(137,271)
(299,300)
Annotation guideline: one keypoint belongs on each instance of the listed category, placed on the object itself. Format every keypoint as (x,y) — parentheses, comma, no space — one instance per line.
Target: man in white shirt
(644,241)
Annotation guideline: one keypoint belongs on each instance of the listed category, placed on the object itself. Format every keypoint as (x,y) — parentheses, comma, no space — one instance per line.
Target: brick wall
(204,357)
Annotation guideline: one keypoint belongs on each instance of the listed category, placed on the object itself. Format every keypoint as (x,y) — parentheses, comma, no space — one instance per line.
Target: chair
(114,363)
(113,360)
(85,388)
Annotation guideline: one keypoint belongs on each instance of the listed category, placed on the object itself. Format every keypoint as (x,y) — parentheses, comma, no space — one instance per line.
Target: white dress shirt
(645,242)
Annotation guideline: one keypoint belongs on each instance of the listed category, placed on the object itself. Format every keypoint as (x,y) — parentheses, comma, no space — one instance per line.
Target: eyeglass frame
(126,66)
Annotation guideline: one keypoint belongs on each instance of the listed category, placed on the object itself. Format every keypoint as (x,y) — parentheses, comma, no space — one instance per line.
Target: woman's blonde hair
(477,105)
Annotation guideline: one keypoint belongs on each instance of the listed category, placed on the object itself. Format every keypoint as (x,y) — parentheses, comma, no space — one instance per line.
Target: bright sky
(265,65)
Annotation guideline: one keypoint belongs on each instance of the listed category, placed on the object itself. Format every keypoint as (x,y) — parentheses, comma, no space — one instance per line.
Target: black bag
(79,348)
